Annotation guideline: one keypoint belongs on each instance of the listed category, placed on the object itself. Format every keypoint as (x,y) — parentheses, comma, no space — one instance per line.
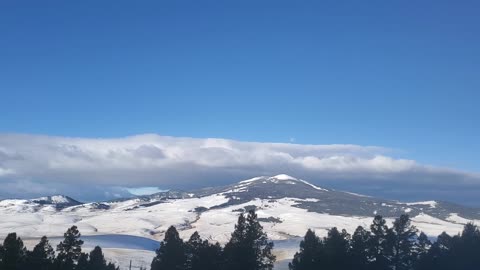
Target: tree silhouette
(466,248)
(70,249)
(42,255)
(171,254)
(379,244)
(359,248)
(249,248)
(336,250)
(111,266)
(2,254)
(420,251)
(14,253)
(83,263)
(308,256)
(403,243)
(96,259)
(201,255)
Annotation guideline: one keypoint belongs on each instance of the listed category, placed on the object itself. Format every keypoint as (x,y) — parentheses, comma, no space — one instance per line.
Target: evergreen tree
(111,266)
(14,253)
(263,257)
(193,249)
(422,252)
(308,256)
(2,253)
(83,263)
(42,255)
(403,243)
(379,246)
(359,248)
(438,255)
(337,245)
(70,249)
(441,252)
(465,250)
(422,246)
(97,260)
(212,256)
(237,247)
(249,248)
(201,255)
(171,254)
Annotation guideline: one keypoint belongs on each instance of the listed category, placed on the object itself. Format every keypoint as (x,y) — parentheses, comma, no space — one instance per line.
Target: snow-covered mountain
(287,207)
(52,203)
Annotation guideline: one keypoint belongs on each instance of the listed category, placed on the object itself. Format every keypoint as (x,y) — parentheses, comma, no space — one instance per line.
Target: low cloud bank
(32,165)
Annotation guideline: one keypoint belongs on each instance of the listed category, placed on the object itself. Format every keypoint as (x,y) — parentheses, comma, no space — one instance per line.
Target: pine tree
(2,253)
(438,256)
(308,256)
(465,249)
(111,266)
(337,245)
(423,244)
(421,252)
(70,249)
(193,250)
(359,248)
(379,244)
(42,255)
(14,253)
(249,248)
(212,256)
(403,243)
(97,260)
(201,255)
(171,254)
(264,259)
(83,263)
(237,248)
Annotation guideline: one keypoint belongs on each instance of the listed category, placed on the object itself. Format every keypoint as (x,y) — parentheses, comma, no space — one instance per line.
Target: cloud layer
(93,168)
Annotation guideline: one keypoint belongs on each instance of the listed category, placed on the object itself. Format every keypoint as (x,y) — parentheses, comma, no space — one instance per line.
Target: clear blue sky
(400,74)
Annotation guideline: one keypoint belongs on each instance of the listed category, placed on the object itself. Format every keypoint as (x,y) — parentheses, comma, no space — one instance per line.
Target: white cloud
(152,160)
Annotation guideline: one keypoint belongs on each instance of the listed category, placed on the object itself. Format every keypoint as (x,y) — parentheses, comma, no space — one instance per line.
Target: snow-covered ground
(215,224)
(139,229)
(130,229)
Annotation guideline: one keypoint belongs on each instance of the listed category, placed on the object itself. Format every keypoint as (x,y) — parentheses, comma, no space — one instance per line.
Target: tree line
(248,248)
(68,256)
(399,247)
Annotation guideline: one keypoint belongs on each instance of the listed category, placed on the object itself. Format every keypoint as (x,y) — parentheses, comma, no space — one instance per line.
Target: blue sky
(397,74)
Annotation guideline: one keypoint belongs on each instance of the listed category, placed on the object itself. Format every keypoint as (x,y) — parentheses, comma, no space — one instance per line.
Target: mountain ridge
(287,207)
(273,187)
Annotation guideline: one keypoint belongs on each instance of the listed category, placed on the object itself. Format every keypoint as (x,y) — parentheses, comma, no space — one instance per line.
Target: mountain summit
(59,200)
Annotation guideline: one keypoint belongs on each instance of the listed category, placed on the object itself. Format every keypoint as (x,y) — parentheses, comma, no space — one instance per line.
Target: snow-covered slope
(43,204)
(286,206)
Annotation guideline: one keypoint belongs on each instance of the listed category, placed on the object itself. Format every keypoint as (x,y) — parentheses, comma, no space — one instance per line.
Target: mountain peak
(274,179)
(56,199)
(283,177)
(278,179)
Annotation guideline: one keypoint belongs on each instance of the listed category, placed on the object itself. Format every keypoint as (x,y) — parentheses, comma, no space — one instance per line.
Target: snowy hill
(48,203)
(57,200)
(287,207)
